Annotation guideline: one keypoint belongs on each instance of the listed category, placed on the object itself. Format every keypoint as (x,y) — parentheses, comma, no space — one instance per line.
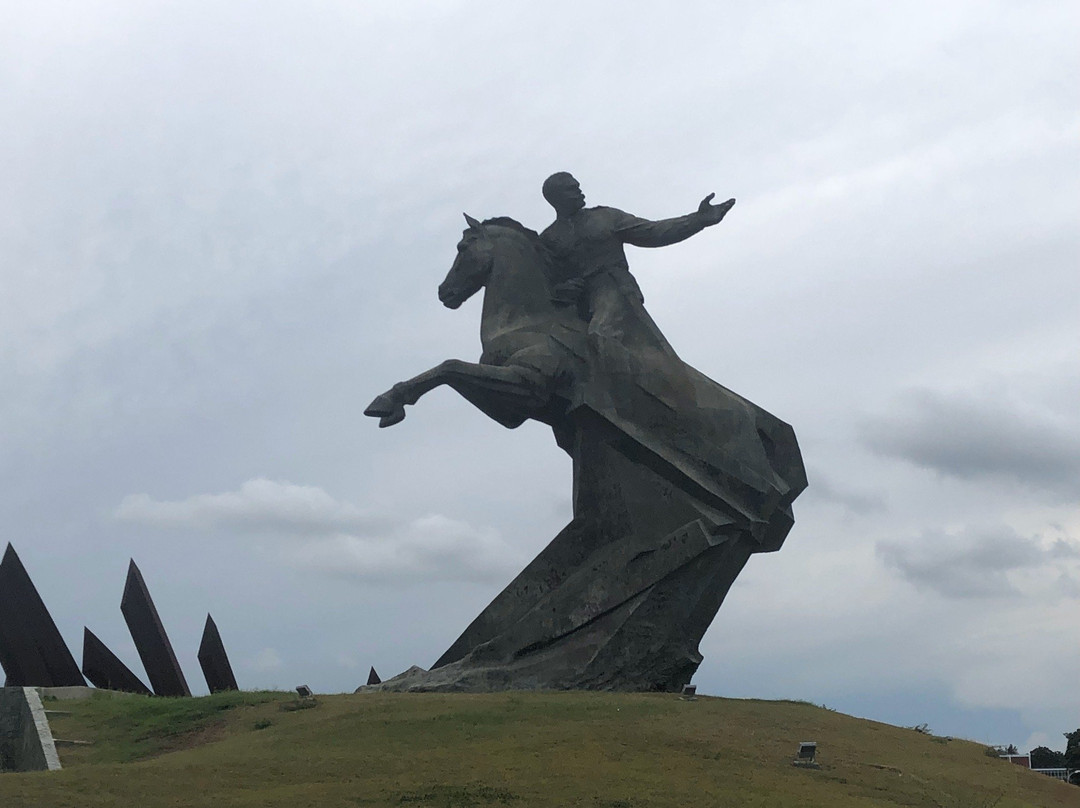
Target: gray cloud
(858,502)
(969,438)
(259,505)
(324,535)
(973,563)
(268,659)
(1068,586)
(432,548)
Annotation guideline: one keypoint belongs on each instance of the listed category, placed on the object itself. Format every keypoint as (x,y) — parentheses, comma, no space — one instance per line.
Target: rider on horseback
(590,267)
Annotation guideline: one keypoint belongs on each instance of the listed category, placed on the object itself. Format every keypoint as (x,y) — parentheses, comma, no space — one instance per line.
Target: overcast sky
(222,226)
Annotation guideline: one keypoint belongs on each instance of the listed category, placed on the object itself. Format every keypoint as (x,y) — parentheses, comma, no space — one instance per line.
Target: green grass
(137,727)
(510,749)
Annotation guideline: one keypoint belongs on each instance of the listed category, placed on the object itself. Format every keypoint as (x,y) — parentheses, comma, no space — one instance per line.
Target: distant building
(1057,773)
(1068,775)
(1019,760)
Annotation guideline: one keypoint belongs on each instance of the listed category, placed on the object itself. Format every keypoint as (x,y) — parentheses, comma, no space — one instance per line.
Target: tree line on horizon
(1043,757)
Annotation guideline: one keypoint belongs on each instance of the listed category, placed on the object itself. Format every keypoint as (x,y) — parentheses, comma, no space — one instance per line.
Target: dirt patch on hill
(211,733)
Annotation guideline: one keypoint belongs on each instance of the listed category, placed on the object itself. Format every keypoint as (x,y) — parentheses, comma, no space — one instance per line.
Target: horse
(523,372)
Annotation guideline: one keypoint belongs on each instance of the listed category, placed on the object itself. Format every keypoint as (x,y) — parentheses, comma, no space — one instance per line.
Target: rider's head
(563,193)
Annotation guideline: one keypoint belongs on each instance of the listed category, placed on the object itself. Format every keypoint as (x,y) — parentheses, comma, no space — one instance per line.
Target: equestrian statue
(677,480)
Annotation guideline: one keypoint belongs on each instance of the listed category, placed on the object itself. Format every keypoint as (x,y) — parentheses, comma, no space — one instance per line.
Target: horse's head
(471,268)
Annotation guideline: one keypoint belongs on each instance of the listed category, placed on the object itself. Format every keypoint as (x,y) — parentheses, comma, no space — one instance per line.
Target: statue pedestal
(617,601)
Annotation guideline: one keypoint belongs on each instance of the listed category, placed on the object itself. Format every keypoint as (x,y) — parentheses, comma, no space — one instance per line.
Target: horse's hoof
(383,406)
(395,417)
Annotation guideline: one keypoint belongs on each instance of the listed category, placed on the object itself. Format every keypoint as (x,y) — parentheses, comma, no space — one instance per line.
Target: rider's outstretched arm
(645,233)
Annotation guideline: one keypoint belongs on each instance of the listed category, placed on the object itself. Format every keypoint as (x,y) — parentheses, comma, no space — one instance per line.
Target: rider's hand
(712,214)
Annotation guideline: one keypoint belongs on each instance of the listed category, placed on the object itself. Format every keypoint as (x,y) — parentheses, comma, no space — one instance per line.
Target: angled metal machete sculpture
(32,652)
(151,641)
(104,669)
(677,480)
(214,661)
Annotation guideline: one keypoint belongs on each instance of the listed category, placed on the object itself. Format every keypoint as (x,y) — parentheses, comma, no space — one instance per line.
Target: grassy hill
(517,749)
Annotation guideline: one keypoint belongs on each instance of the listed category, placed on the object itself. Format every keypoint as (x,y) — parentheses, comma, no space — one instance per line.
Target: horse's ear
(475,225)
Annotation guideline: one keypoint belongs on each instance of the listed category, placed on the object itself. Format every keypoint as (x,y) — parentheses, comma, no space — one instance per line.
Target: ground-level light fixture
(807,756)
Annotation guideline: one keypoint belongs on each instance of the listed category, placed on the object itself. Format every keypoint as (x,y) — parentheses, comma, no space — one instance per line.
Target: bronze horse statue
(677,480)
(522,373)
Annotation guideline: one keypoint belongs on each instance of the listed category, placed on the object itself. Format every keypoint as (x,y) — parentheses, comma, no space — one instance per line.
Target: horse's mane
(531,235)
(513,224)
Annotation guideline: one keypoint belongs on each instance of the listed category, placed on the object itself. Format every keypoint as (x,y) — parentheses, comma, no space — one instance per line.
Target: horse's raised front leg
(509,393)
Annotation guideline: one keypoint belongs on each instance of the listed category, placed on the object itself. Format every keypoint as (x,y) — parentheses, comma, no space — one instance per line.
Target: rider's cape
(711,442)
